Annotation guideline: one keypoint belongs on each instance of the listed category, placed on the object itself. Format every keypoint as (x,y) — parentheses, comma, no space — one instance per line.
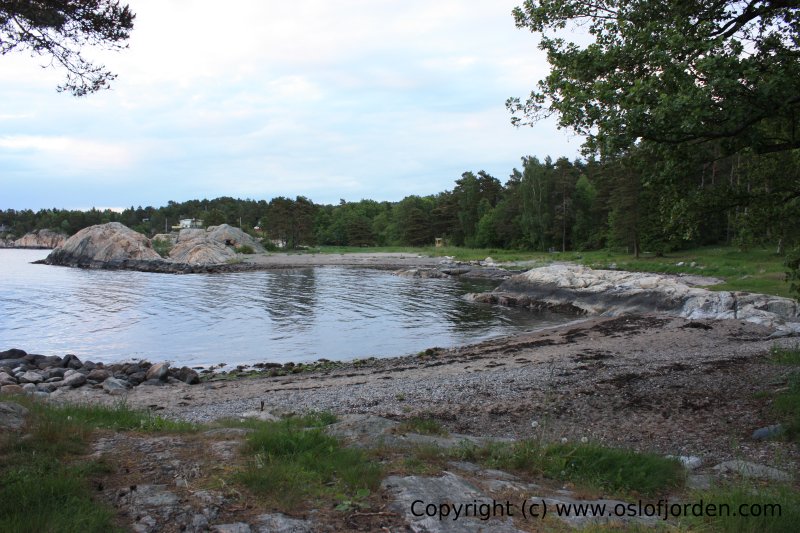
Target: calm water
(200,319)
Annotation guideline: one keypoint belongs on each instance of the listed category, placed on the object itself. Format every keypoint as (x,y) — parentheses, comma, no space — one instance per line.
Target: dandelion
(584,440)
(534,424)
(563,440)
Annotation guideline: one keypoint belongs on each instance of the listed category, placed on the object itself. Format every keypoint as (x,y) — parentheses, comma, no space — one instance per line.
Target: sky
(352,99)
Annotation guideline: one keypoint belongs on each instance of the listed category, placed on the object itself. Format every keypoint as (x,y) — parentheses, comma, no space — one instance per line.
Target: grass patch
(162,247)
(589,465)
(294,460)
(244,249)
(786,403)
(424,425)
(785,355)
(754,270)
(770,510)
(44,477)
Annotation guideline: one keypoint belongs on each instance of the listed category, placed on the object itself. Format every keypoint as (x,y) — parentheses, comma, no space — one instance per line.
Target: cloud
(67,153)
(357,98)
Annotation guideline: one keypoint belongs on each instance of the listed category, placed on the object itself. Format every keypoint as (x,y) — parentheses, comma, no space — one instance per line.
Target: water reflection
(289,298)
(280,315)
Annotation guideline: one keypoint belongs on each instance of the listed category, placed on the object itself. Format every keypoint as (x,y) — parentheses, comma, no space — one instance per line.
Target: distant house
(188,223)
(4,228)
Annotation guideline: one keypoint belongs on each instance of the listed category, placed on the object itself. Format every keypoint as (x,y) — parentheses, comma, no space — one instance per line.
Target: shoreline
(644,382)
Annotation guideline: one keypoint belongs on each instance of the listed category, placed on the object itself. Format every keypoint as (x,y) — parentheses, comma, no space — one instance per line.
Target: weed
(424,425)
(293,460)
(162,247)
(747,509)
(589,465)
(244,249)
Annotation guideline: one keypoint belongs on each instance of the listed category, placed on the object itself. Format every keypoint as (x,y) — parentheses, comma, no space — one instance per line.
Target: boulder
(158,371)
(30,377)
(43,238)
(12,415)
(74,380)
(104,246)
(188,376)
(212,246)
(11,389)
(201,252)
(230,236)
(98,374)
(7,379)
(13,353)
(115,386)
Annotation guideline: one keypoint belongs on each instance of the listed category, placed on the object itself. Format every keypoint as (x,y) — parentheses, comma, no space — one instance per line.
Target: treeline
(639,202)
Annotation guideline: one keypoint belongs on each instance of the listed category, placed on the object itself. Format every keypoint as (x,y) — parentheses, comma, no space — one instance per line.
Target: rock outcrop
(43,238)
(114,246)
(613,292)
(111,245)
(212,246)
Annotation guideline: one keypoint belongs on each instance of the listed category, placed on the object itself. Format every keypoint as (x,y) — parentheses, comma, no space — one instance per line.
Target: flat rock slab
(445,504)
(752,470)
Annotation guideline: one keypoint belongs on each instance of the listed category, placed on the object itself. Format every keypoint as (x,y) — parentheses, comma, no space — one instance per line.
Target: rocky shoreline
(41,375)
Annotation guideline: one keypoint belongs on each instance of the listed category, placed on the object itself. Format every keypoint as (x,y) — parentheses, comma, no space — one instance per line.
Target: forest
(637,203)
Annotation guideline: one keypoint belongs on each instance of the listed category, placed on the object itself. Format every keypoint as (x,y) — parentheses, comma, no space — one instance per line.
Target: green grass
(588,465)
(162,247)
(786,403)
(292,462)
(424,425)
(44,477)
(779,507)
(754,270)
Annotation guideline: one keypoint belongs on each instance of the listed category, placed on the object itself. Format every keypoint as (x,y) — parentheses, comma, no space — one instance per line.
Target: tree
(59,29)
(670,72)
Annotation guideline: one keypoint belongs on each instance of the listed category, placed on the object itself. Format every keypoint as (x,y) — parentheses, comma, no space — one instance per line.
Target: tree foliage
(61,29)
(672,72)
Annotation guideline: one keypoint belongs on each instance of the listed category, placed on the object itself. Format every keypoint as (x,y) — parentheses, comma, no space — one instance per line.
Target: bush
(244,249)
(162,247)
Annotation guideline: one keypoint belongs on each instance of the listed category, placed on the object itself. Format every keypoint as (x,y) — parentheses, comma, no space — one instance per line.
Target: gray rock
(7,379)
(188,376)
(280,523)
(238,527)
(54,373)
(71,361)
(752,470)
(30,388)
(441,498)
(228,432)
(11,389)
(158,371)
(137,378)
(767,432)
(153,496)
(98,374)
(12,415)
(115,386)
(46,387)
(30,377)
(13,353)
(74,380)
(611,292)
(11,363)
